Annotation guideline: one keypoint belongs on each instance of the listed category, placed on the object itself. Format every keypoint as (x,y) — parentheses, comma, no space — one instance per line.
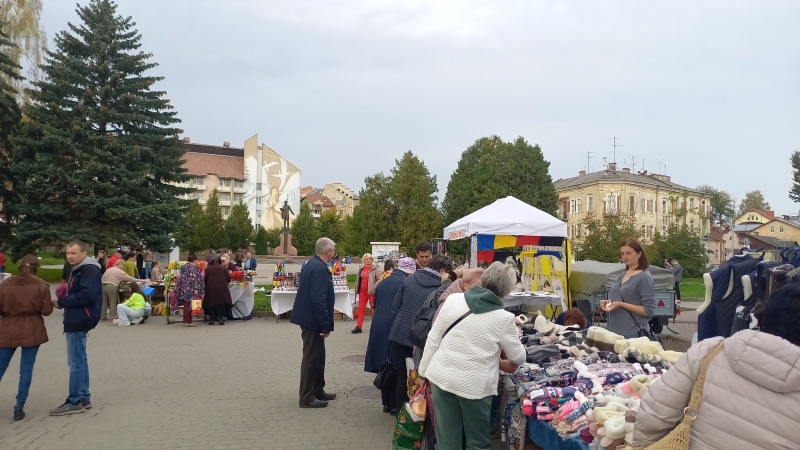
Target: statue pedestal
(285,247)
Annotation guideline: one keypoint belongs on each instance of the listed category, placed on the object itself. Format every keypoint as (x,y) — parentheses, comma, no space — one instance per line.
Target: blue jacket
(313,306)
(253,264)
(84,297)
(409,300)
(379,346)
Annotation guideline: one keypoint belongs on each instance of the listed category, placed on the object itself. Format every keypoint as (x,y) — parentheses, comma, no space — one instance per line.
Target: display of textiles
(723,282)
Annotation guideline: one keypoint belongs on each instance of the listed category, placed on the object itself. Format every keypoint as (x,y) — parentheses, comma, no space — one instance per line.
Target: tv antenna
(660,164)
(588,157)
(633,163)
(615,145)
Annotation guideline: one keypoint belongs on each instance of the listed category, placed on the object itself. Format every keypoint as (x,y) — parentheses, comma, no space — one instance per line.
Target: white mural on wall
(278,180)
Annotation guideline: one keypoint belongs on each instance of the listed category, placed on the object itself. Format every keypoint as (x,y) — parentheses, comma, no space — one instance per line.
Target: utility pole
(588,157)
(615,145)
(633,163)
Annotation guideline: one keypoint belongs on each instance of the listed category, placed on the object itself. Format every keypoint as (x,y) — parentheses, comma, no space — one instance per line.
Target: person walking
(190,287)
(130,265)
(24,299)
(405,305)
(366,280)
(462,359)
(632,298)
(749,372)
(81,305)
(111,280)
(313,312)
(677,270)
(217,301)
(131,312)
(379,346)
(148,263)
(250,262)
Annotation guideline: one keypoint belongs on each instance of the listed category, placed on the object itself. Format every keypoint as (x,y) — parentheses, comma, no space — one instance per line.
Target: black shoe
(87,404)
(19,414)
(211,321)
(221,321)
(393,412)
(144,319)
(315,404)
(356,330)
(386,409)
(325,397)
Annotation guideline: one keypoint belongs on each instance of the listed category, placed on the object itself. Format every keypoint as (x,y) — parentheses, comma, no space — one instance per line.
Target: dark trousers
(678,290)
(312,369)
(398,359)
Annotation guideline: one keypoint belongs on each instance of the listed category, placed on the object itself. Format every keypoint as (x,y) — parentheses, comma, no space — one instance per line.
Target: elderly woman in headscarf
(217,301)
(190,287)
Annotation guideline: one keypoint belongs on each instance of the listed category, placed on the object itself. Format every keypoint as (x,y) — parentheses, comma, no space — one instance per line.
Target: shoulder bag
(642,332)
(679,437)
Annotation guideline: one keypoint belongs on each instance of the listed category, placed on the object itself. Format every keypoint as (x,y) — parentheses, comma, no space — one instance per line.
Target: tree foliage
(682,244)
(400,207)
(261,242)
(194,236)
(23,26)
(722,206)
(491,169)
(602,236)
(794,193)
(330,224)
(98,157)
(10,116)
(217,238)
(753,200)
(304,231)
(238,227)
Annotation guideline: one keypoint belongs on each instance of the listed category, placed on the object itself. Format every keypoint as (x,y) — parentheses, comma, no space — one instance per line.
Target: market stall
(283,302)
(499,230)
(243,298)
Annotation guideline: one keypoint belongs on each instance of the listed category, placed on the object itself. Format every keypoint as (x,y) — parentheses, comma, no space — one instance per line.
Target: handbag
(678,438)
(642,332)
(387,375)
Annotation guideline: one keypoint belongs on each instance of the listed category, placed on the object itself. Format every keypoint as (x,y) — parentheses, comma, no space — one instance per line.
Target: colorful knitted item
(546,393)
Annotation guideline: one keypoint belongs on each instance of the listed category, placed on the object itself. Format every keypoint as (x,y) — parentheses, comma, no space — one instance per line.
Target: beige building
(653,200)
(342,198)
(782,229)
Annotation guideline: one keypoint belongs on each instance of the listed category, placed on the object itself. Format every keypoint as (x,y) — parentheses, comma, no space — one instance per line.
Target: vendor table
(535,301)
(283,302)
(243,298)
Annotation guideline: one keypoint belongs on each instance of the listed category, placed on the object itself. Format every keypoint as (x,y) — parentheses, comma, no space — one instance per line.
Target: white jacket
(466,363)
(751,397)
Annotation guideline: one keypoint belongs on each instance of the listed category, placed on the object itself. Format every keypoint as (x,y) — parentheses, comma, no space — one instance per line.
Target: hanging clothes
(708,322)
(742,318)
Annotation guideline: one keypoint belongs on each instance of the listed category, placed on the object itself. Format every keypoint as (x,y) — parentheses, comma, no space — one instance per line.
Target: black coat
(409,300)
(313,305)
(84,297)
(379,345)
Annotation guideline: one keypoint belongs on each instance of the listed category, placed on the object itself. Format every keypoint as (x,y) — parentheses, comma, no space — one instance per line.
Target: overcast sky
(343,88)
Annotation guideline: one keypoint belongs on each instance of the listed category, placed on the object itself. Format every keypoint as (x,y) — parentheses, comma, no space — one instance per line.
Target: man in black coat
(313,312)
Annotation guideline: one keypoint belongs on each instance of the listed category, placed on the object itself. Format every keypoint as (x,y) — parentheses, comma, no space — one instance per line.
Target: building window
(780,229)
(650,231)
(663,206)
(258,200)
(578,205)
(691,203)
(643,205)
(572,230)
(663,230)
(197,181)
(238,184)
(590,203)
(225,182)
(578,230)
(691,224)
(571,206)
(224,197)
(238,198)
(225,210)
(771,229)
(644,230)
(703,227)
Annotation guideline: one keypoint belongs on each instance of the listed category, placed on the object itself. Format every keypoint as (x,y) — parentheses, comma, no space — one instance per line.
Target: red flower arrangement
(237,275)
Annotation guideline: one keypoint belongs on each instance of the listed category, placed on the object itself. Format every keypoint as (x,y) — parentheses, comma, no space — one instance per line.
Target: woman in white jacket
(462,361)
(751,394)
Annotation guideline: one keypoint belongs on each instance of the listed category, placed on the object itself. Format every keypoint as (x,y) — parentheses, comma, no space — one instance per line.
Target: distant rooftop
(625,175)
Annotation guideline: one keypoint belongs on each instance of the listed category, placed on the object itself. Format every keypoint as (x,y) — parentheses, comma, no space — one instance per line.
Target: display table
(283,302)
(540,302)
(546,437)
(243,298)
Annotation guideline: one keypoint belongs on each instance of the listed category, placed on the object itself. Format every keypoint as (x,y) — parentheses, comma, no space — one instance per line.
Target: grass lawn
(49,275)
(693,288)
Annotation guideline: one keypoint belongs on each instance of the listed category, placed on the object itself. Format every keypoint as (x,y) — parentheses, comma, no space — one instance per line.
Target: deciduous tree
(330,224)
(304,231)
(217,238)
(682,244)
(753,200)
(98,160)
(239,228)
(722,206)
(24,29)
(602,236)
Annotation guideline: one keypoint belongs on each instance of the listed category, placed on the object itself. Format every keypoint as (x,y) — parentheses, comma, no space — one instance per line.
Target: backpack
(423,321)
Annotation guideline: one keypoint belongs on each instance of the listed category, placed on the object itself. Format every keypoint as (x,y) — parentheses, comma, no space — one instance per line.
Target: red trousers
(363,299)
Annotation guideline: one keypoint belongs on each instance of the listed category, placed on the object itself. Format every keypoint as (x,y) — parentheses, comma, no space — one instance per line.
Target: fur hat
(407,265)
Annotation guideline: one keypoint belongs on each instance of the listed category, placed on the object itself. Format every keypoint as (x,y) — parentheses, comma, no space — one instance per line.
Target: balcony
(199,187)
(224,203)
(239,190)
(612,212)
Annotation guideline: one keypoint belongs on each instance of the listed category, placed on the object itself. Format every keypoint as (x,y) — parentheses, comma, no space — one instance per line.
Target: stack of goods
(288,282)
(340,283)
(585,384)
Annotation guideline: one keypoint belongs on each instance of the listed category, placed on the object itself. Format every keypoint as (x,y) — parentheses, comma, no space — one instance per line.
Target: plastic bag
(407,430)
(418,407)
(62,290)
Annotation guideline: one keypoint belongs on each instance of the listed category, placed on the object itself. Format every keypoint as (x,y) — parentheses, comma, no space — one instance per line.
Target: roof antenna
(615,145)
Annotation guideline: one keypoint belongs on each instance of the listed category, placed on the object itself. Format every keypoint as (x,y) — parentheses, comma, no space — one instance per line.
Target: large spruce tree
(10,116)
(97,158)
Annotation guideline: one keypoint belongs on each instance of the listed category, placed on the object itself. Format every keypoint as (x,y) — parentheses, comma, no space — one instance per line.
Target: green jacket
(130,267)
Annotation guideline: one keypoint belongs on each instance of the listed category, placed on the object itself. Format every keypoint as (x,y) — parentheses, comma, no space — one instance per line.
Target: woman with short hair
(367,278)
(24,299)
(462,359)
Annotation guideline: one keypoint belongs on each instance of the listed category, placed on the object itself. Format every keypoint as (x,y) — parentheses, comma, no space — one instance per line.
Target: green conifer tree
(10,116)
(98,158)
(239,228)
(215,223)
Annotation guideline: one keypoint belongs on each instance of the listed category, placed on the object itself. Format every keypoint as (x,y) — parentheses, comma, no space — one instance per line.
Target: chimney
(581,173)
(626,170)
(612,167)
(666,178)
(226,144)
(186,140)
(643,173)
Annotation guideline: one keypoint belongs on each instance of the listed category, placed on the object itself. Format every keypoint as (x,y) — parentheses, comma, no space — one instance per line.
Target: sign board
(384,250)
(457,234)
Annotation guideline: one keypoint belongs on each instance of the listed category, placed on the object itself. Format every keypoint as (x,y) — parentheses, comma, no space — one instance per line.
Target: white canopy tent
(507,216)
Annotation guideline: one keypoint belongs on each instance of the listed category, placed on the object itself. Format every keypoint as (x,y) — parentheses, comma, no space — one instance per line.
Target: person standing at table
(111,281)
(148,263)
(130,265)
(313,312)
(155,273)
(217,301)
(190,287)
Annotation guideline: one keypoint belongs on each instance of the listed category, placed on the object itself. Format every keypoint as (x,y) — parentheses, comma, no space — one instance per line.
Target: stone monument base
(285,247)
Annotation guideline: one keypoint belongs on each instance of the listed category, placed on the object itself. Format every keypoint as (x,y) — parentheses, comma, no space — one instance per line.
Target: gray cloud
(342,88)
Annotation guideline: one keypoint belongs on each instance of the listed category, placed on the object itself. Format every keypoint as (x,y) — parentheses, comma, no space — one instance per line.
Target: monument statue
(286,213)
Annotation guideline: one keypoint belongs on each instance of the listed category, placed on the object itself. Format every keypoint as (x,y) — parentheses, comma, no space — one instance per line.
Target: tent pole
(473,251)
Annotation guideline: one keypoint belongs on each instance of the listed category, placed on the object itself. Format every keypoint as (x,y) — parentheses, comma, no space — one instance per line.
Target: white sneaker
(124,324)
(136,321)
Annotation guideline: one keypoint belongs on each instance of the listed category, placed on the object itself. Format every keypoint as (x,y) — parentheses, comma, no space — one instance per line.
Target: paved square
(157,386)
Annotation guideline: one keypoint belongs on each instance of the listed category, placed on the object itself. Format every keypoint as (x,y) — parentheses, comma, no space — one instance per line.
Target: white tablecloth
(538,302)
(243,298)
(283,302)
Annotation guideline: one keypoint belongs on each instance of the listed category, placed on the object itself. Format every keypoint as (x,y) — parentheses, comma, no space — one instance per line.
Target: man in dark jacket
(313,311)
(407,302)
(81,303)
(250,262)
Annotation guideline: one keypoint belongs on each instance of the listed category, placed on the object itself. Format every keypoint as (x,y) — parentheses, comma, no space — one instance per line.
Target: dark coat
(408,301)
(379,344)
(84,297)
(23,302)
(313,305)
(216,284)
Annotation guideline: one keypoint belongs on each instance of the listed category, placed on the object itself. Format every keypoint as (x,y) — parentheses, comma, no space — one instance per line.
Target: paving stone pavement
(157,386)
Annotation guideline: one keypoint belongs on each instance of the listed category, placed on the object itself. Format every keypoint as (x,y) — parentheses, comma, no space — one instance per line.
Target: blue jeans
(78,366)
(147,268)
(25,370)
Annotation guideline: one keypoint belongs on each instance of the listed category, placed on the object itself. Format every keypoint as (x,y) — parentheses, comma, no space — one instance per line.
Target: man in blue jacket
(81,303)
(313,311)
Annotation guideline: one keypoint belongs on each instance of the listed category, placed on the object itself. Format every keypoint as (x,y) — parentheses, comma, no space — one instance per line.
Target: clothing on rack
(708,322)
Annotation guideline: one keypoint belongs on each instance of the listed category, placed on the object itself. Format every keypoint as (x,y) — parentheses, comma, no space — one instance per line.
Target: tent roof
(507,216)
